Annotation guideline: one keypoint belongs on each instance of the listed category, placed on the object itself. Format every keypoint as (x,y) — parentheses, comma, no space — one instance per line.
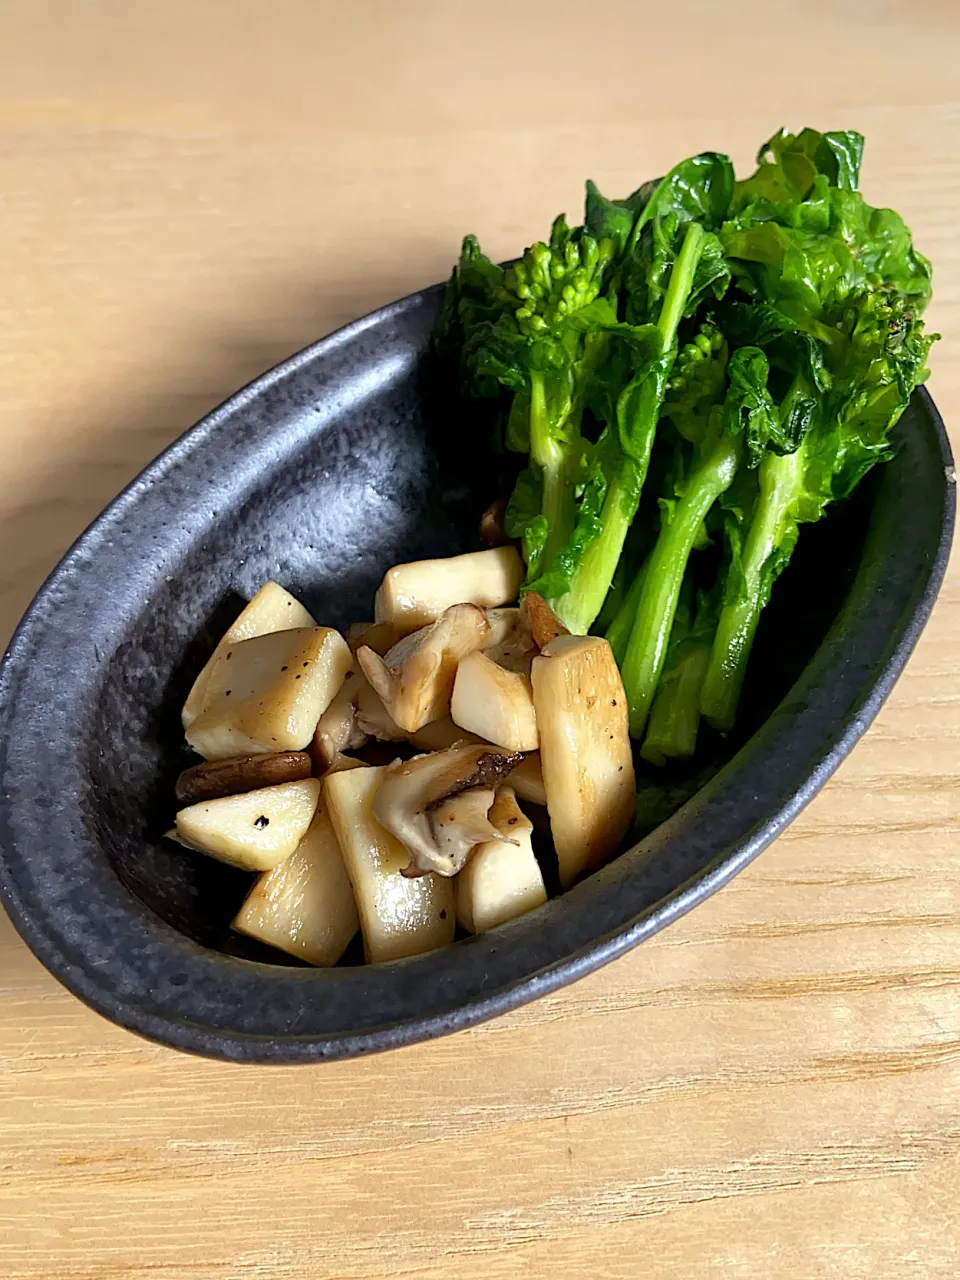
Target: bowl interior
(392,476)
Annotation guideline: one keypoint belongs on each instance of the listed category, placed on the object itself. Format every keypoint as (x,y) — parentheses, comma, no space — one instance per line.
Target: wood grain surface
(771,1088)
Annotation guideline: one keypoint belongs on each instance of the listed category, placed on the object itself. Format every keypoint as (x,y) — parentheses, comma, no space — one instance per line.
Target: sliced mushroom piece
(378,636)
(174,835)
(415,800)
(584,751)
(374,719)
(398,916)
(503,622)
(255,831)
(216,778)
(271,609)
(494,703)
(305,906)
(527,779)
(502,880)
(458,824)
(342,763)
(511,645)
(415,679)
(543,622)
(492,524)
(441,734)
(413,595)
(338,729)
(267,694)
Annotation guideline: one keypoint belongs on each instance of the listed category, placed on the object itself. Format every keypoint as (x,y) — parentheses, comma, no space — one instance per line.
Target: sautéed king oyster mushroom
(386,781)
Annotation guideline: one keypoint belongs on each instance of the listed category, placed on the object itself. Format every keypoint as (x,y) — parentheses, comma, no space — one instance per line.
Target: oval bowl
(322,474)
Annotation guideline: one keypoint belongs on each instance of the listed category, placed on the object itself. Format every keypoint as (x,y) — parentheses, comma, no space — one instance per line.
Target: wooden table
(771,1088)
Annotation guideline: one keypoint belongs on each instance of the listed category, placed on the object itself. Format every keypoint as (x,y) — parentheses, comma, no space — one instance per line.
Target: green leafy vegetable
(675,714)
(674,262)
(540,331)
(708,362)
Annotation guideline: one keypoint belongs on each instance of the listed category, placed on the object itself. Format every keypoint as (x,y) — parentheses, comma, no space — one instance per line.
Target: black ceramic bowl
(321,475)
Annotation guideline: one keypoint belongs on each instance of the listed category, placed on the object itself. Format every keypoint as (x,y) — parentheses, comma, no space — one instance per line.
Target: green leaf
(846,147)
(749,408)
(696,190)
(523,518)
(883,246)
(712,275)
(612,220)
(804,274)
(795,169)
(554,581)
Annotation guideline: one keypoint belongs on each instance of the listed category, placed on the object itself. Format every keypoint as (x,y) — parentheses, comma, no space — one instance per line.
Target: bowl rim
(600,949)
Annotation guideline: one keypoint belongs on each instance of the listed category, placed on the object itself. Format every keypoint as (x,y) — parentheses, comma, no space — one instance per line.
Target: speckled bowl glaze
(321,474)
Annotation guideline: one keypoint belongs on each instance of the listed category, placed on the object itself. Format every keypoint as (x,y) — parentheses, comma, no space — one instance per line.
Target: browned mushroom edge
(216,778)
(492,525)
(491,771)
(544,623)
(411,795)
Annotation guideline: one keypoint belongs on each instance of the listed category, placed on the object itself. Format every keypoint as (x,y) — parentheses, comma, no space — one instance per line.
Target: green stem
(665,568)
(618,633)
(558,510)
(578,607)
(781,479)
(557,503)
(675,714)
(681,282)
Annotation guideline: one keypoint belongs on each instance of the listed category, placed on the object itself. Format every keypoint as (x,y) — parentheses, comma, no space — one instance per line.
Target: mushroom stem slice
(413,595)
(494,704)
(378,636)
(271,609)
(255,831)
(527,779)
(414,792)
(415,679)
(399,917)
(305,905)
(267,694)
(584,751)
(502,880)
